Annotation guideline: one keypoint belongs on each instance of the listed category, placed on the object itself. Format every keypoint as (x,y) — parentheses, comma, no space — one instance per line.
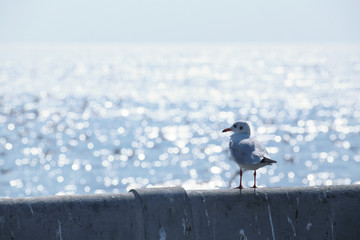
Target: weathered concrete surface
(166,213)
(172,213)
(277,213)
(71,217)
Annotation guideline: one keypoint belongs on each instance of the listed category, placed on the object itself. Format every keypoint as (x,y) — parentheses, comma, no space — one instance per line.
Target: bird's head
(239,127)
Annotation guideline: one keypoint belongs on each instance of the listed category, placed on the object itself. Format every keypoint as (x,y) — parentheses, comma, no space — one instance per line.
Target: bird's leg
(240,186)
(254,180)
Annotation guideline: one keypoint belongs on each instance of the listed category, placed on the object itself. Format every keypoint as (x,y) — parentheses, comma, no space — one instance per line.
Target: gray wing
(247,151)
(260,150)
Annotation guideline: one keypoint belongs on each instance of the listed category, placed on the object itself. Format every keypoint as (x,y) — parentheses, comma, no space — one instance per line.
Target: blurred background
(106,96)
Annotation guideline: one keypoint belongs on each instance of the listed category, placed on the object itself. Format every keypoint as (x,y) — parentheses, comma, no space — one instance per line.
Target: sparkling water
(106,118)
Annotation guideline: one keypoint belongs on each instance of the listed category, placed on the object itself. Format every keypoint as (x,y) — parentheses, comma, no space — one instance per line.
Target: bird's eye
(241,127)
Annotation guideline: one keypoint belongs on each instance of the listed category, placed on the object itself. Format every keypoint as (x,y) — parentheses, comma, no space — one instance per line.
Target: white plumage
(246,151)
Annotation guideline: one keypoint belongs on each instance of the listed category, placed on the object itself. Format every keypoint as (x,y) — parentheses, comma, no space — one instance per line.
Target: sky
(144,21)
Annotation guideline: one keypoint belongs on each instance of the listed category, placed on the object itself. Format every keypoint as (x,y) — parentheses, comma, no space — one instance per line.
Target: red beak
(226,130)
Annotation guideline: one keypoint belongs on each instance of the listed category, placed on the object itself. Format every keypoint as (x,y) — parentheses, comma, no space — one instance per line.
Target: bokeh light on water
(105,119)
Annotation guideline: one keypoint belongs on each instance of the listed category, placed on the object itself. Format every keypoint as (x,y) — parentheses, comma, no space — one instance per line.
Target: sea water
(86,119)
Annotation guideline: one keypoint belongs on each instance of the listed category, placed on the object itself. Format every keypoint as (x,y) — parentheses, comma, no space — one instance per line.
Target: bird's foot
(254,186)
(239,187)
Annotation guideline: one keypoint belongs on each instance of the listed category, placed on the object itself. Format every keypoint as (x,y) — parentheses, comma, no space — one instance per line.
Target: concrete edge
(321,212)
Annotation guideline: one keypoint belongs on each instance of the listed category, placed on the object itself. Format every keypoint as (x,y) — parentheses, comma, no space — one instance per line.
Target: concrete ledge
(172,213)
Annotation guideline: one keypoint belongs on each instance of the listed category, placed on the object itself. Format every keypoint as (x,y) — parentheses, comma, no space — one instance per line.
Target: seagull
(246,151)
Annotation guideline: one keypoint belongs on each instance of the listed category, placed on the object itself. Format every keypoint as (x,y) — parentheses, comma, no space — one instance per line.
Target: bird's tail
(268,160)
